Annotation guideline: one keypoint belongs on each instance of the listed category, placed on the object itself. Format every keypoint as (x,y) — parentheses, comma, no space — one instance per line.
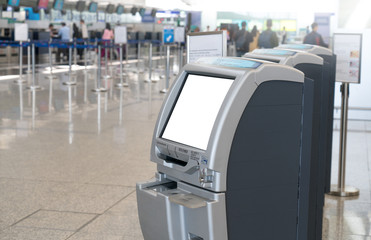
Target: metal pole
(139,57)
(121,84)
(20,80)
(70,59)
(121,103)
(20,102)
(341,189)
(127,53)
(99,112)
(33,86)
(167,70)
(181,58)
(150,62)
(75,52)
(70,67)
(86,45)
(111,52)
(99,80)
(29,58)
(51,76)
(106,61)
(50,94)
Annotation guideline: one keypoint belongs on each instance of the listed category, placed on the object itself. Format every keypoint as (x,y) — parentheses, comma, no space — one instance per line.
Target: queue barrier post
(99,87)
(20,80)
(33,86)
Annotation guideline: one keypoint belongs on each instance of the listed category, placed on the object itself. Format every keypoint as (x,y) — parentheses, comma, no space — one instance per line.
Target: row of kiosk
(243,148)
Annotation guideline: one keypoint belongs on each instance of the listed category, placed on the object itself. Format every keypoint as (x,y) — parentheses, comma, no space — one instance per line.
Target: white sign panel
(348,49)
(179,34)
(120,35)
(206,44)
(21,32)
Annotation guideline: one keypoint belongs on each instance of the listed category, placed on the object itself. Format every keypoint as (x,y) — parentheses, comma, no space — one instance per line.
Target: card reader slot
(169,159)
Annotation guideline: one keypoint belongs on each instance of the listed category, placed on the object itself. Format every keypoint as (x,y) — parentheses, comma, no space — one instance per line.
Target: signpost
(206,44)
(348,48)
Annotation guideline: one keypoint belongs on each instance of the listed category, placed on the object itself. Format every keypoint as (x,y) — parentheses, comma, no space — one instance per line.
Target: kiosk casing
(312,67)
(329,74)
(249,177)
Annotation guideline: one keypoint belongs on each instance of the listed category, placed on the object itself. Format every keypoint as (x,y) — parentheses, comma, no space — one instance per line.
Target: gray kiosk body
(330,72)
(232,145)
(312,67)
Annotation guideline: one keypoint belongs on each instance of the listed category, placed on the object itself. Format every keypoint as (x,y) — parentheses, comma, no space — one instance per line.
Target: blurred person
(76,35)
(314,38)
(243,38)
(64,35)
(268,38)
(107,36)
(283,35)
(84,30)
(255,34)
(51,30)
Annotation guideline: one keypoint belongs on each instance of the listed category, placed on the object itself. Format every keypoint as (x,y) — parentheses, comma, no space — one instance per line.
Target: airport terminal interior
(76,135)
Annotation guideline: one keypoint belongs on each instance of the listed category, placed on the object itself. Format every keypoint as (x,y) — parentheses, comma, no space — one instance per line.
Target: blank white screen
(195,112)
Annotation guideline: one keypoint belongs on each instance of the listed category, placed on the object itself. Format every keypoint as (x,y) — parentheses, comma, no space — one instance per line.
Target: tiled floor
(68,168)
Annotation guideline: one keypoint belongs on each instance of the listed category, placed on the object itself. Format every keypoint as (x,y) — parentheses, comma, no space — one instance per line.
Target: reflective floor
(70,158)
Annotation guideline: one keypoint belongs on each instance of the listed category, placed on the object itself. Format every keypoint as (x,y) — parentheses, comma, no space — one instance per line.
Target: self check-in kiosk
(329,73)
(312,67)
(232,145)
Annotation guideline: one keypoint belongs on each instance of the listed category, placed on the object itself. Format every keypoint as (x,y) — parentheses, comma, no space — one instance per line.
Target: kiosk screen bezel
(231,78)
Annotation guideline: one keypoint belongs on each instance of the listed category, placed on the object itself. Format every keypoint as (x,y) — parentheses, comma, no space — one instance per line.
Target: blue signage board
(147,18)
(168,35)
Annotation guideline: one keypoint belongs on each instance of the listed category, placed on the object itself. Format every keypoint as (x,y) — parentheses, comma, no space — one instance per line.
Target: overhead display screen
(93,7)
(13,3)
(120,9)
(196,109)
(58,5)
(80,6)
(110,8)
(42,4)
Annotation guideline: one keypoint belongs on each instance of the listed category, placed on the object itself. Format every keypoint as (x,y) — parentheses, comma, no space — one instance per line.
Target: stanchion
(33,86)
(162,59)
(111,53)
(99,80)
(70,67)
(167,70)
(51,76)
(139,58)
(29,57)
(121,83)
(341,190)
(150,65)
(74,53)
(50,94)
(127,54)
(181,58)
(106,61)
(20,80)
(75,66)
(85,47)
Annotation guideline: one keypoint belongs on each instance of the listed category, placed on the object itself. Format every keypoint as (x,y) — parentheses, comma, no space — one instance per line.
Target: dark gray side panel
(319,136)
(331,60)
(263,167)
